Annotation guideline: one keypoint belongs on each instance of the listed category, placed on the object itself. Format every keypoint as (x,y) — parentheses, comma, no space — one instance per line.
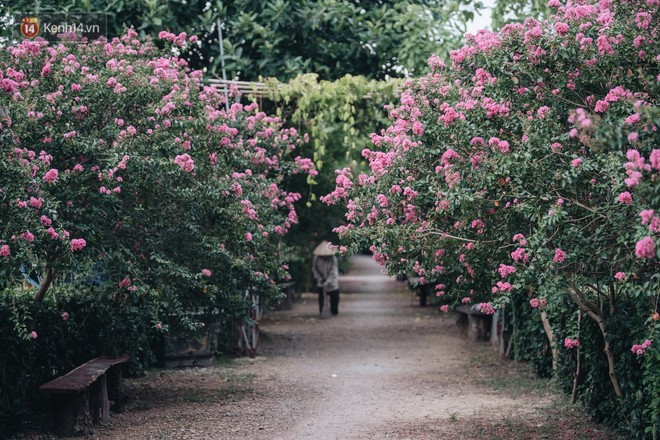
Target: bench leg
(463,324)
(99,406)
(71,414)
(473,328)
(116,388)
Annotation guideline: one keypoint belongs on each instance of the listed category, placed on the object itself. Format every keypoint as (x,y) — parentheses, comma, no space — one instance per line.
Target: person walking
(326,272)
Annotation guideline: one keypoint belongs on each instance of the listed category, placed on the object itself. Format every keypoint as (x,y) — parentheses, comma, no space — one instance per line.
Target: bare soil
(384,368)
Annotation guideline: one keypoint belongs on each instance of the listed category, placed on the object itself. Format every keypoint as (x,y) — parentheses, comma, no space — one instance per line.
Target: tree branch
(45,284)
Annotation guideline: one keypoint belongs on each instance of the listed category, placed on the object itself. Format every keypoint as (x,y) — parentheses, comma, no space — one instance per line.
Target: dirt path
(384,368)
(383,360)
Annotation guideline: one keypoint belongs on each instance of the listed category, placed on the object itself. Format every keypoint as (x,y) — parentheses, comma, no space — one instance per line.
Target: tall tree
(284,38)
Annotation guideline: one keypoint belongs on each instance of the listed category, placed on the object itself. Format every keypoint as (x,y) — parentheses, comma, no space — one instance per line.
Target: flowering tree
(528,167)
(120,169)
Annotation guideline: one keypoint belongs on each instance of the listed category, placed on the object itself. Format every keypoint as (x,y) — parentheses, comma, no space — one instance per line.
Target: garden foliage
(126,180)
(524,175)
(284,39)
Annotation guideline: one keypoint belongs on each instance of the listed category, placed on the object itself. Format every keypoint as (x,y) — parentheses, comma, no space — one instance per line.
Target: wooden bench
(81,398)
(475,325)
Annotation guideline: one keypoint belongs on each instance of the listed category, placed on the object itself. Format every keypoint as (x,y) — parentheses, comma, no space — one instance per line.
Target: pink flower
(561,28)
(505,270)
(646,215)
(640,349)
(77,244)
(486,308)
(571,343)
(633,136)
(51,175)
(27,236)
(519,255)
(36,203)
(158,325)
(206,272)
(655,159)
(543,112)
(65,316)
(33,335)
(185,162)
(576,162)
(248,236)
(633,119)
(45,221)
(502,287)
(625,198)
(125,283)
(444,308)
(534,303)
(620,276)
(560,256)
(5,251)
(601,106)
(645,248)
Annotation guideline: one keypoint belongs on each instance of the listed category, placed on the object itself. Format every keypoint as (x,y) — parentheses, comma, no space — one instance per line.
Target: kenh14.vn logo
(30,27)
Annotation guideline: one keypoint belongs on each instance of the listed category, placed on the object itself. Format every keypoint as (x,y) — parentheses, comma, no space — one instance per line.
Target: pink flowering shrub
(117,159)
(522,136)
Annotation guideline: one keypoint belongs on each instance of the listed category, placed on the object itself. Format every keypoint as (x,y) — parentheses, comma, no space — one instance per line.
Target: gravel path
(384,368)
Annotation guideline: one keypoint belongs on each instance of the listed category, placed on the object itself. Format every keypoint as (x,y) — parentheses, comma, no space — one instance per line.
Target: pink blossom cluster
(571,343)
(77,244)
(538,303)
(344,183)
(560,256)
(185,162)
(640,349)
(635,167)
(645,248)
(502,287)
(505,270)
(486,308)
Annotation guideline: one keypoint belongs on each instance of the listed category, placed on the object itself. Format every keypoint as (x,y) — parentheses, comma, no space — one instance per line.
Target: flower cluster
(571,343)
(116,155)
(640,349)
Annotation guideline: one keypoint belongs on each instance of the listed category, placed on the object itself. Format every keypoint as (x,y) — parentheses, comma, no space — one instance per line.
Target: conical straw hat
(322,250)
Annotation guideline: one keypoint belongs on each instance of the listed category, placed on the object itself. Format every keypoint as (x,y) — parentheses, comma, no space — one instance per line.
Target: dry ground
(384,368)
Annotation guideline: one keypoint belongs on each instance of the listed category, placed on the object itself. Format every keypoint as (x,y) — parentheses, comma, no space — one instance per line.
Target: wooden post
(72,415)
(116,388)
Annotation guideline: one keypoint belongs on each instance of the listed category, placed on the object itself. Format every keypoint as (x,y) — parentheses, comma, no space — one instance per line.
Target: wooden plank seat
(474,324)
(81,398)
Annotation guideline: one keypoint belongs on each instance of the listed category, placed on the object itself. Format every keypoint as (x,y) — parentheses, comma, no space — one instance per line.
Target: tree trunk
(578,371)
(45,284)
(611,364)
(551,340)
(596,314)
(501,340)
